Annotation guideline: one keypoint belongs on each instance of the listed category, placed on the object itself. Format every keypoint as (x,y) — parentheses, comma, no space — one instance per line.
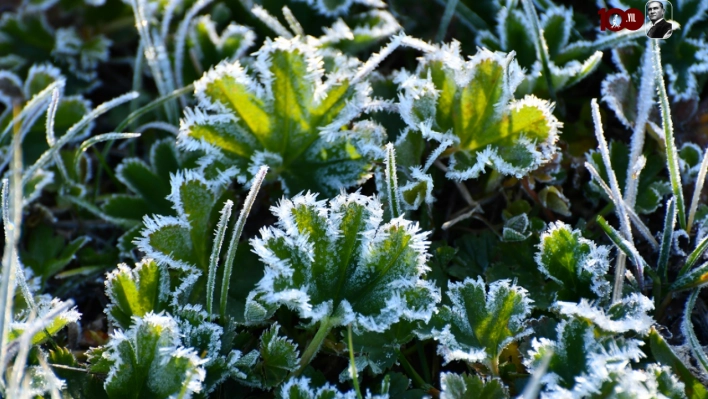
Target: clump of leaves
(469,108)
(290,119)
(336,264)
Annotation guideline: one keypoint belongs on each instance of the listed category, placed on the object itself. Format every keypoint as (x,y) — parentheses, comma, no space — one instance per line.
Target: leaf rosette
(290,118)
(471,104)
(338,264)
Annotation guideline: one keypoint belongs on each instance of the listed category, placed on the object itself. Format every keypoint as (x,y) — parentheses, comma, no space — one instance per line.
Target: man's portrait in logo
(658,27)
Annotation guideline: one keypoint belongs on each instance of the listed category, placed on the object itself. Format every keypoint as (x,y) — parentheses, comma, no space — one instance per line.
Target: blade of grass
(445,21)
(700,180)
(215,251)
(690,334)
(694,256)
(236,236)
(392,182)
(666,238)
(541,46)
(668,127)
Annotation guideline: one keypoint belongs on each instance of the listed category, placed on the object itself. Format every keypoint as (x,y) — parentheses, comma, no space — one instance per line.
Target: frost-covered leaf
(552,198)
(336,261)
(471,103)
(480,323)
(274,360)
(136,292)
(292,119)
(629,314)
(48,253)
(575,263)
(148,361)
(183,242)
(79,383)
(580,363)
(516,228)
(44,306)
(652,185)
(464,386)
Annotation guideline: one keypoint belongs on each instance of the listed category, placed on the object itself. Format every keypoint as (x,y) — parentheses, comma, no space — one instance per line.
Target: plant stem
(417,379)
(352,363)
(326,325)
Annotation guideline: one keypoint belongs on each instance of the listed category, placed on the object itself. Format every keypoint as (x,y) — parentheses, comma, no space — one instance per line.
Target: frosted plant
(459,386)
(336,264)
(480,322)
(290,119)
(575,264)
(136,292)
(148,360)
(581,362)
(183,242)
(630,314)
(471,104)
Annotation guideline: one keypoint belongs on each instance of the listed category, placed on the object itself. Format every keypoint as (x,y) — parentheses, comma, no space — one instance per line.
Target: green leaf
(291,120)
(379,351)
(147,361)
(480,323)
(697,277)
(79,384)
(47,254)
(471,103)
(369,28)
(465,386)
(576,264)
(136,292)
(338,262)
(269,366)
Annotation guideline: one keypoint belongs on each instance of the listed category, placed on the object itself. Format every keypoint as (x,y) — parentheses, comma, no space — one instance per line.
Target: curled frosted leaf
(148,360)
(291,118)
(577,264)
(136,292)
(630,314)
(338,261)
(480,323)
(471,103)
